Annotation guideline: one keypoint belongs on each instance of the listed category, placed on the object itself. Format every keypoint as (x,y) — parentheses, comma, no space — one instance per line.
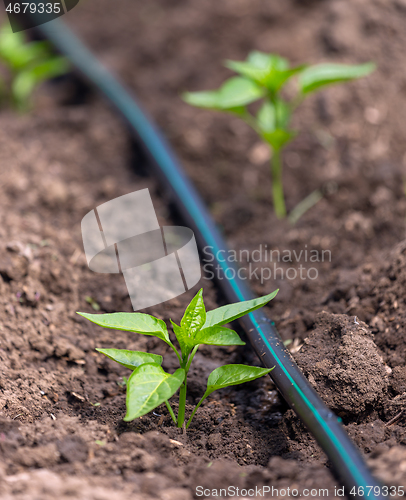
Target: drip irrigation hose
(326,427)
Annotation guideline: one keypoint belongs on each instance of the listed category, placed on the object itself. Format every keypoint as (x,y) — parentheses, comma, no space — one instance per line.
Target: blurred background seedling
(24,66)
(263,77)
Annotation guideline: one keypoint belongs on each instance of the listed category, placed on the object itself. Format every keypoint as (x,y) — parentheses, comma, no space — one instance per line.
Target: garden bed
(61,402)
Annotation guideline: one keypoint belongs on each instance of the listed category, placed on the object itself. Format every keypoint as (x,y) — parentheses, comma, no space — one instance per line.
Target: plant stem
(196,347)
(182,393)
(277,186)
(176,352)
(196,408)
(182,403)
(170,411)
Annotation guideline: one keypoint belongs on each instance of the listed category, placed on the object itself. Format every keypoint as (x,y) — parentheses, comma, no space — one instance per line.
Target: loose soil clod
(344,365)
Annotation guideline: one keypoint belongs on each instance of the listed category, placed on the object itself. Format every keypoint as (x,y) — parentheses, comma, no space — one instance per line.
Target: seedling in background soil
(28,65)
(149,385)
(263,77)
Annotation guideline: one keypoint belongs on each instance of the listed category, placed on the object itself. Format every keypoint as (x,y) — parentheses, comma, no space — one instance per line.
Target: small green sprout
(149,385)
(264,77)
(28,65)
(92,302)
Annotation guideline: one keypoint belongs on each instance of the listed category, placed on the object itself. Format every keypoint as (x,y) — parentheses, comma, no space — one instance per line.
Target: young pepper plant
(149,385)
(28,64)
(263,77)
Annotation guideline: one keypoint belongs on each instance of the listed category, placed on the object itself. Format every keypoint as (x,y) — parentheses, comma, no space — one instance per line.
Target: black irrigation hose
(347,461)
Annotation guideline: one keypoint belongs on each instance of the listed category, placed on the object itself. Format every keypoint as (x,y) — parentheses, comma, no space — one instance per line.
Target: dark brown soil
(62,403)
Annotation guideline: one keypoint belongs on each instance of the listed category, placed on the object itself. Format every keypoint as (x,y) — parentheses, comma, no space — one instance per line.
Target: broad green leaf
(50,68)
(148,387)
(320,75)
(262,60)
(217,335)
(195,315)
(269,70)
(234,93)
(278,137)
(22,87)
(26,80)
(20,54)
(238,92)
(227,375)
(131,322)
(203,99)
(230,312)
(131,359)
(248,70)
(16,51)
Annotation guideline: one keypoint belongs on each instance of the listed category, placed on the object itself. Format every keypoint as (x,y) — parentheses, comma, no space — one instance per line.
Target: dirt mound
(344,365)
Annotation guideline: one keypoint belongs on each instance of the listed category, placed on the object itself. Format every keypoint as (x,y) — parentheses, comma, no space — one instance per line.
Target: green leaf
(266,117)
(277,79)
(271,116)
(267,61)
(320,75)
(278,137)
(131,359)
(148,387)
(26,80)
(195,315)
(269,70)
(183,339)
(51,68)
(234,93)
(217,335)
(283,113)
(230,312)
(248,70)
(16,52)
(22,87)
(131,322)
(227,375)
(238,92)
(203,99)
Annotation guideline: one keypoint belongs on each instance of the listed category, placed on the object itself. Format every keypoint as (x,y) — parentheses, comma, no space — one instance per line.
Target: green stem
(183,389)
(176,352)
(196,347)
(182,403)
(277,186)
(207,393)
(170,411)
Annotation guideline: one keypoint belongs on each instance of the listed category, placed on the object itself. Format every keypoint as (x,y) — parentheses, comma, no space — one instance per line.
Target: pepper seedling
(149,385)
(28,64)
(264,77)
